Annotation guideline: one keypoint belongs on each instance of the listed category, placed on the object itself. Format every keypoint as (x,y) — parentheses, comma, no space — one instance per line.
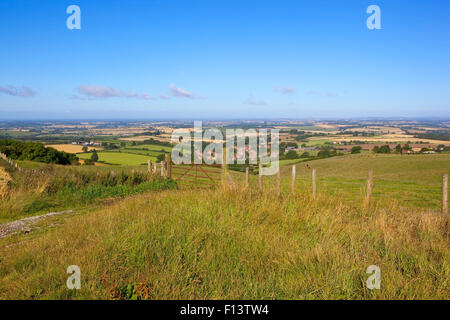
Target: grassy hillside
(413,168)
(414,180)
(237,243)
(119,158)
(51,188)
(233,245)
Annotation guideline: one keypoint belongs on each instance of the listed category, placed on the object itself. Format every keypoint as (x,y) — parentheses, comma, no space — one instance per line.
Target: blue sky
(203,59)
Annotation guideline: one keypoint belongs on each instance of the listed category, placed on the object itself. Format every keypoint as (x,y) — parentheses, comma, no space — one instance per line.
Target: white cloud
(95,91)
(131,94)
(102,92)
(23,91)
(180,92)
(144,96)
(285,90)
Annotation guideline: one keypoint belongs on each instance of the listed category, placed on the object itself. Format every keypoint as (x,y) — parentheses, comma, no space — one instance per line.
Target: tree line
(35,151)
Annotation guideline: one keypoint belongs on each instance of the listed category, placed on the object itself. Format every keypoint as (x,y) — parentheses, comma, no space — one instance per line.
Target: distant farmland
(151,147)
(119,158)
(71,148)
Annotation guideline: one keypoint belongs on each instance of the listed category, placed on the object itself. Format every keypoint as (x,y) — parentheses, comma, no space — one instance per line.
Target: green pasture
(151,147)
(412,180)
(119,158)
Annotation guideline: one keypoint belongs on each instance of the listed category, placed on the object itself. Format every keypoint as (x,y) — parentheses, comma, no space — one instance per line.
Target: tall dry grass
(235,244)
(53,187)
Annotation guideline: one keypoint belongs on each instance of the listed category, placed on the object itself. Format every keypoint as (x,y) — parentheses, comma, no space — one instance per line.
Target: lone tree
(94,157)
(84,149)
(356,149)
(161,157)
(305,155)
(384,149)
(291,154)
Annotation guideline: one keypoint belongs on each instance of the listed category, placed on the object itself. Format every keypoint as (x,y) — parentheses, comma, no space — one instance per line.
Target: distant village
(87,144)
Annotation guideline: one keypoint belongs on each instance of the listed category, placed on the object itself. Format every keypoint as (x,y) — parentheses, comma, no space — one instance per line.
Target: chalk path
(24,224)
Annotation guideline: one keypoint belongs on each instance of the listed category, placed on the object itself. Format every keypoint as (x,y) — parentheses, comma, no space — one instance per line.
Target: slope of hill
(237,243)
(413,180)
(44,188)
(233,245)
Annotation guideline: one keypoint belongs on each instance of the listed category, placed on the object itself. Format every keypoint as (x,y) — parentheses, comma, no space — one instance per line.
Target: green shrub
(356,149)
(35,151)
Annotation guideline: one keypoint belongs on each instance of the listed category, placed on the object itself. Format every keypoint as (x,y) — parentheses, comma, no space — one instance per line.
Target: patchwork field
(235,243)
(136,235)
(380,139)
(71,148)
(151,147)
(119,158)
(136,138)
(162,137)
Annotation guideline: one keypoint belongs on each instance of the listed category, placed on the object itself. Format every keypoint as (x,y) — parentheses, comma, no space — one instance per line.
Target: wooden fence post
(168,166)
(279,181)
(445,193)
(260,177)
(293,178)
(314,187)
(155,170)
(369,187)
(224,166)
(149,166)
(162,169)
(247,172)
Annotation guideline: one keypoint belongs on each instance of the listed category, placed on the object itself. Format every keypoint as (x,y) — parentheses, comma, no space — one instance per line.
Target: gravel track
(25,224)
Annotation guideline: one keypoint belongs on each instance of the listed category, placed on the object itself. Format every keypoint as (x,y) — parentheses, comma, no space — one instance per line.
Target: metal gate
(196,175)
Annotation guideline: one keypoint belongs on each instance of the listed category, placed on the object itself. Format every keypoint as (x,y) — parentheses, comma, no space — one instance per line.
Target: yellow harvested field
(326,126)
(71,126)
(81,161)
(137,138)
(71,148)
(118,131)
(163,138)
(382,139)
